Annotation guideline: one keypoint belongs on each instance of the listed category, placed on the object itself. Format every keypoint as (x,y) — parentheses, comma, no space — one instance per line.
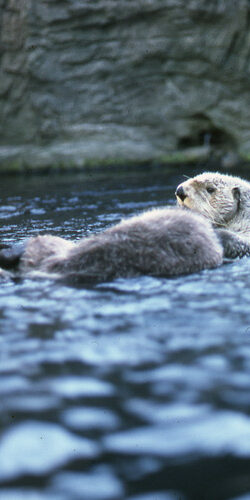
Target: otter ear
(236,193)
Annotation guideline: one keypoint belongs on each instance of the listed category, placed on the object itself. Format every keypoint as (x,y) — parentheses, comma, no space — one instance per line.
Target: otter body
(160,242)
(225,201)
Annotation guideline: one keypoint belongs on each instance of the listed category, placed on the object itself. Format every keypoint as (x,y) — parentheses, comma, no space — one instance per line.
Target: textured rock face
(117,80)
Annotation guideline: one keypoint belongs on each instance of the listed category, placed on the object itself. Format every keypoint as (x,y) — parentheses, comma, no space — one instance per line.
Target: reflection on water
(137,389)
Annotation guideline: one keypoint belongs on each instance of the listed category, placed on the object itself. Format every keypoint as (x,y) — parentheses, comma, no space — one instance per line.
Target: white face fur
(215,196)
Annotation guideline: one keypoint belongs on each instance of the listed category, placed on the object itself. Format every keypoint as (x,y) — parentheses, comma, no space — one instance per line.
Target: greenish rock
(115,81)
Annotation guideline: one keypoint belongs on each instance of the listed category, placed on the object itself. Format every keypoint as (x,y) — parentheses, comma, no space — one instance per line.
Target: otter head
(216,196)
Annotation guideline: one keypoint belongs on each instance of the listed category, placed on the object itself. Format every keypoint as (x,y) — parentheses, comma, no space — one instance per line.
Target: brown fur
(161,242)
(227,206)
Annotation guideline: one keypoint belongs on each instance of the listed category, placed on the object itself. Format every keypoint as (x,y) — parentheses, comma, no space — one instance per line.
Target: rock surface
(112,81)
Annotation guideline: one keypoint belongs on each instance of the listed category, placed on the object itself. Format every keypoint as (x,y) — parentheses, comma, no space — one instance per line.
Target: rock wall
(111,81)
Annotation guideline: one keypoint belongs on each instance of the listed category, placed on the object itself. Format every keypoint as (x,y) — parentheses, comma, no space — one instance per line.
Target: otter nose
(180,193)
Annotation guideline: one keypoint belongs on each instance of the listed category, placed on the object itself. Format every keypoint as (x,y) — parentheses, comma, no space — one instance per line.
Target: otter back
(161,242)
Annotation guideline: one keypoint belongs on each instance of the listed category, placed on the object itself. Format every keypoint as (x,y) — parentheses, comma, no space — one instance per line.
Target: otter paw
(234,246)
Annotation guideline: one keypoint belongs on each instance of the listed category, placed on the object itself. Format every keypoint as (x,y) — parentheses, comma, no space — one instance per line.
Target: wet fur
(160,242)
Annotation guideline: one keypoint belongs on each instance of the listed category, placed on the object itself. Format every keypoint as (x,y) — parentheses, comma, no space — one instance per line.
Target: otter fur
(225,201)
(160,242)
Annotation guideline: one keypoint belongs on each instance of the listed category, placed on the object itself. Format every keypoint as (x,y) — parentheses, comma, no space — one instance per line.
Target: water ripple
(122,390)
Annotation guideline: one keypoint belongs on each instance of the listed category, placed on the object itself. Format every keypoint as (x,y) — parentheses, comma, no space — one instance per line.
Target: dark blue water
(137,389)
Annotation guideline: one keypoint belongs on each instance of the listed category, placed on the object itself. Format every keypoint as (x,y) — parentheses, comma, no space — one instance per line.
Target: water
(137,389)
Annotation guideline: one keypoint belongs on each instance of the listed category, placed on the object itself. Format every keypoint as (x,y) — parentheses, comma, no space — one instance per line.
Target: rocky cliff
(109,81)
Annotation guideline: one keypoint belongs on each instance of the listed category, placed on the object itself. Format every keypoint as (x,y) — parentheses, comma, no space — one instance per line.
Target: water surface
(136,389)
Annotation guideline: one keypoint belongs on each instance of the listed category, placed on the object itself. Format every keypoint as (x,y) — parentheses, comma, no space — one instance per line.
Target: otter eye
(210,189)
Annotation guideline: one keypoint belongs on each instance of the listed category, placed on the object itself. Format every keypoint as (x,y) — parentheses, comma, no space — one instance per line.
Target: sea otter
(225,201)
(160,242)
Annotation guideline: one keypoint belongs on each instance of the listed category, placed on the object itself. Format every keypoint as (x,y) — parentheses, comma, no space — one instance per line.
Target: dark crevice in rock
(229,54)
(210,137)
(204,133)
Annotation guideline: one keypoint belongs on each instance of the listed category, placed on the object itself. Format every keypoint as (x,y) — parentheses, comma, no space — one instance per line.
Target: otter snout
(180,193)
